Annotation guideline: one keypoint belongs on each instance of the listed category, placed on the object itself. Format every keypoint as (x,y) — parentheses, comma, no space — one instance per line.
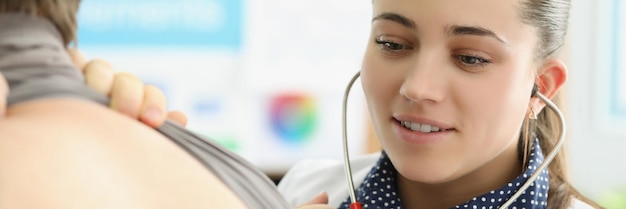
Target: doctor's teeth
(426,128)
(414,126)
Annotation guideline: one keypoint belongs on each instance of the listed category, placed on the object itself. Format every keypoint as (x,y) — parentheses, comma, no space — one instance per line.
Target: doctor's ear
(549,81)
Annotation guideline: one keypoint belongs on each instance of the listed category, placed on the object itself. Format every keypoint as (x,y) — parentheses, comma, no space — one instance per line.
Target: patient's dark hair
(61,12)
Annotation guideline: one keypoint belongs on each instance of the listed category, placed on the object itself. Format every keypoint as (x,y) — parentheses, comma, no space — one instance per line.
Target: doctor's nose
(422,82)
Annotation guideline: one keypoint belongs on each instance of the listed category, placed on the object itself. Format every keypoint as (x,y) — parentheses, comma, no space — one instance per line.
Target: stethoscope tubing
(346,156)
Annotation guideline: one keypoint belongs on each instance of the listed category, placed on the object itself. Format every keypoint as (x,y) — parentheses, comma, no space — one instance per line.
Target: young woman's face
(448,84)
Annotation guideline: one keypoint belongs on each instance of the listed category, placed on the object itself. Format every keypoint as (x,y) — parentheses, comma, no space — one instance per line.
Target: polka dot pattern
(378,190)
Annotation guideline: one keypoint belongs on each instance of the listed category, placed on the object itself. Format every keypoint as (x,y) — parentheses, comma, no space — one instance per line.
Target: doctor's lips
(422,126)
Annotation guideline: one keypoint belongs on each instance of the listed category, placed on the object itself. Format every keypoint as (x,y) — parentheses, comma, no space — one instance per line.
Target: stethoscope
(357,205)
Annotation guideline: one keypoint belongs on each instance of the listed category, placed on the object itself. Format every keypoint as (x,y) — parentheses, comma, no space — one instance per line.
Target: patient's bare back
(71,153)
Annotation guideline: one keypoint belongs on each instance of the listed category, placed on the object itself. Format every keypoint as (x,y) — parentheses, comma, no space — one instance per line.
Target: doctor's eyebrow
(454,30)
(398,18)
(457,30)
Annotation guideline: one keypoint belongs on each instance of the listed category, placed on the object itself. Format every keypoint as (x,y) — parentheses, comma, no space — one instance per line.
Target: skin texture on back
(110,162)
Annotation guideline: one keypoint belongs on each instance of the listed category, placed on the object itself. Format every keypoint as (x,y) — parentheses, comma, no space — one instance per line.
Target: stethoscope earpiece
(535,90)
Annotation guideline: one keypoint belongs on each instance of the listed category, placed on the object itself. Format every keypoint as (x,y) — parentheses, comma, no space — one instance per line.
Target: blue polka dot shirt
(379,191)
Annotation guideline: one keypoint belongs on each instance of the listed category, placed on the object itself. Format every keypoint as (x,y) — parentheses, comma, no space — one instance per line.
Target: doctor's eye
(470,62)
(391,47)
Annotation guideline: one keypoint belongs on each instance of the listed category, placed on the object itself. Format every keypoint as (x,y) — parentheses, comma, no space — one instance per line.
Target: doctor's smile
(415,130)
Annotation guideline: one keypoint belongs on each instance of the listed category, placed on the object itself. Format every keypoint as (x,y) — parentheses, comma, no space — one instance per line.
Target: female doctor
(452,90)
(449,87)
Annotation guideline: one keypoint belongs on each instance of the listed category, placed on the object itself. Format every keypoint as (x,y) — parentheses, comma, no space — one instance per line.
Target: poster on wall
(189,48)
(263,78)
(298,59)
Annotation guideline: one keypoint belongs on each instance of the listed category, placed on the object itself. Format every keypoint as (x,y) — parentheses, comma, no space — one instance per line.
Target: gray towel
(35,64)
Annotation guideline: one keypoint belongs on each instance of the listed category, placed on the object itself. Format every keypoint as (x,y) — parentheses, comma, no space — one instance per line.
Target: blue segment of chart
(192,23)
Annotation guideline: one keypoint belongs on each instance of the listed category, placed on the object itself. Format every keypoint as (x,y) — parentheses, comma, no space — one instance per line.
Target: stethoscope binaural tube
(549,157)
(354,204)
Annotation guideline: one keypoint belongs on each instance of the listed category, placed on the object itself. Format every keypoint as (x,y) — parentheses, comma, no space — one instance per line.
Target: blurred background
(266,78)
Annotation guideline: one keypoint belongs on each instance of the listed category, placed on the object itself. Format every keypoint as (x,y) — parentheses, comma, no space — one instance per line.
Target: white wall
(597,138)
(229,77)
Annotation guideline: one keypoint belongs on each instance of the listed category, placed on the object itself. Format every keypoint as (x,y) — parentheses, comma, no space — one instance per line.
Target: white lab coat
(311,177)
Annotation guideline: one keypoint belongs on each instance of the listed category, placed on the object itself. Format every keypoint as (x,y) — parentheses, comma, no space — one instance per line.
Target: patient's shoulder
(82,155)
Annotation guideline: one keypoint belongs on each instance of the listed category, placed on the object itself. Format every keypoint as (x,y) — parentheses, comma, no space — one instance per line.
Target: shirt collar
(379,189)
